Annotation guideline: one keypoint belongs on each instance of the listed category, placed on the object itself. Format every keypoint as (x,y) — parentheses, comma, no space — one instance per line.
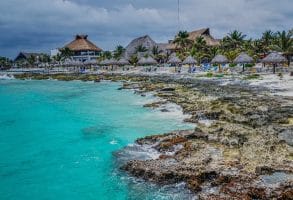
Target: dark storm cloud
(41,25)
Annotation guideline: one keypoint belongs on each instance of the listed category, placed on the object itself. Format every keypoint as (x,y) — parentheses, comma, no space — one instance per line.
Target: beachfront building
(24,57)
(83,49)
(142,46)
(205,33)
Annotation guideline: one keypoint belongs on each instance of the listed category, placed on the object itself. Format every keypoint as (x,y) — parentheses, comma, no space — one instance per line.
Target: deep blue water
(57,140)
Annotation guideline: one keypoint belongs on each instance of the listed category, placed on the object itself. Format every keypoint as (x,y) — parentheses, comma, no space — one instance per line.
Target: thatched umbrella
(174,60)
(243,59)
(150,61)
(147,61)
(90,62)
(219,59)
(104,62)
(189,61)
(122,61)
(274,58)
(112,61)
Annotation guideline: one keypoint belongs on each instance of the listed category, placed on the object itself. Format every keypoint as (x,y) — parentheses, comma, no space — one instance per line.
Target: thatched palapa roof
(81,43)
(205,33)
(274,57)
(220,59)
(105,62)
(174,60)
(145,41)
(189,61)
(243,58)
(122,61)
(147,61)
(25,56)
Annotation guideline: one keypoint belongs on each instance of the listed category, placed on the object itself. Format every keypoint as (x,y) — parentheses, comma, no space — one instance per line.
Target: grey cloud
(40,25)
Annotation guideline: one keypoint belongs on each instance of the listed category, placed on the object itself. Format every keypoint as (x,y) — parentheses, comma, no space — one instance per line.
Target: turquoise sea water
(57,140)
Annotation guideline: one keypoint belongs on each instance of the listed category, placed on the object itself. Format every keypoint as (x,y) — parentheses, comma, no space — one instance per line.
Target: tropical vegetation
(233,44)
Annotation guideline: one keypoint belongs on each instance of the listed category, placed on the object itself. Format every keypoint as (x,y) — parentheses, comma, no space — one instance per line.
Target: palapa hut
(189,61)
(104,62)
(83,49)
(174,60)
(274,58)
(145,41)
(122,61)
(24,56)
(147,61)
(205,33)
(243,58)
(219,59)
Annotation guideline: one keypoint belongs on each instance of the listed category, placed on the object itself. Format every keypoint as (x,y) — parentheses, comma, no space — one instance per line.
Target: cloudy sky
(41,25)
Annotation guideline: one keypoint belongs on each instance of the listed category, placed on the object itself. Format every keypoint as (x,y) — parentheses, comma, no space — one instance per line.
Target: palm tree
(31,60)
(5,63)
(119,52)
(213,51)
(141,48)
(200,44)
(133,60)
(200,49)
(291,31)
(182,41)
(57,58)
(268,37)
(105,55)
(45,58)
(284,44)
(66,53)
(232,54)
(234,40)
(157,53)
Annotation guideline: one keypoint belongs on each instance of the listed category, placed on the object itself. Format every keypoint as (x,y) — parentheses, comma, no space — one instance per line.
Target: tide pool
(57,140)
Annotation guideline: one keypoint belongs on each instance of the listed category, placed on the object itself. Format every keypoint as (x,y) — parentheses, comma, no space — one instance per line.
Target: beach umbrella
(189,61)
(112,61)
(142,61)
(274,58)
(147,61)
(122,61)
(90,62)
(243,58)
(174,60)
(219,59)
(104,62)
(150,61)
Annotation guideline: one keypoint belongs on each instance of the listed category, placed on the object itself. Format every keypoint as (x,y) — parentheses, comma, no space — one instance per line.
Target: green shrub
(219,75)
(252,76)
(210,74)
(248,65)
(232,65)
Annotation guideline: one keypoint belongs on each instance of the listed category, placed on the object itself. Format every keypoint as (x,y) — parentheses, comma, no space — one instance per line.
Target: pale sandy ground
(279,86)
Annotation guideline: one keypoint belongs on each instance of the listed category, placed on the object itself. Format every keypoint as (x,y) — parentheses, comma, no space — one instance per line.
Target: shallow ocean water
(57,140)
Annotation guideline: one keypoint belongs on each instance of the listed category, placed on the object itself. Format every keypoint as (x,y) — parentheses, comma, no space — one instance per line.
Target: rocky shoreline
(242,147)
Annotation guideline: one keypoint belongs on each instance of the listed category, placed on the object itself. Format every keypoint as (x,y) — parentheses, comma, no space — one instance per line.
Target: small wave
(113,142)
(136,152)
(6,77)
